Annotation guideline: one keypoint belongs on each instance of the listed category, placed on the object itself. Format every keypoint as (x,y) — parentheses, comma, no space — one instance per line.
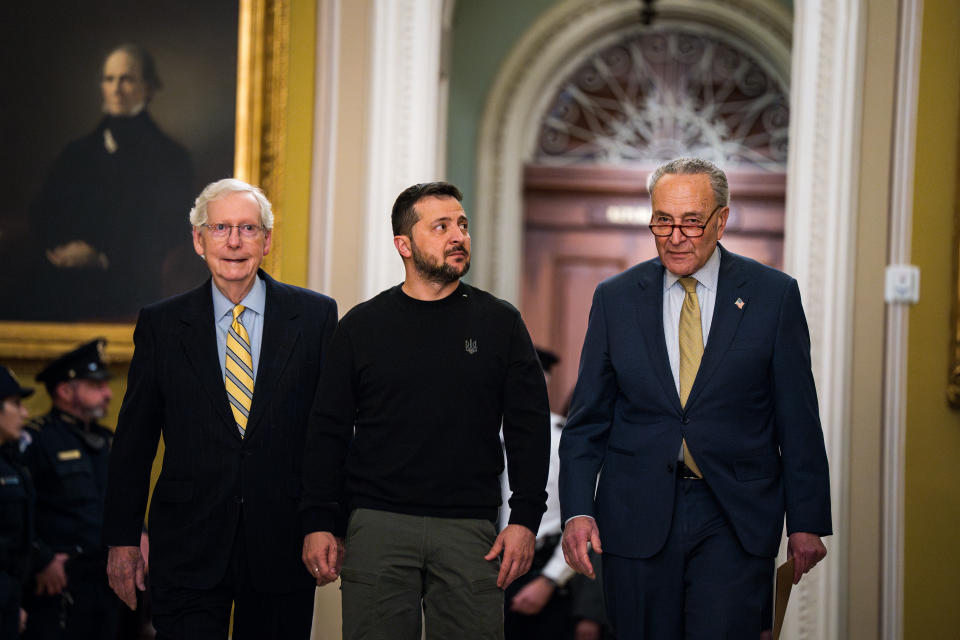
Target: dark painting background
(52,56)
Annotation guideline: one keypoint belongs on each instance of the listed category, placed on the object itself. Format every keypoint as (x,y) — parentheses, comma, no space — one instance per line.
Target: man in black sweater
(404,438)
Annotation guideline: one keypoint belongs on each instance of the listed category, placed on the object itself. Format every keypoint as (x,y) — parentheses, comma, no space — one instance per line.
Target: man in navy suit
(700,450)
(227,374)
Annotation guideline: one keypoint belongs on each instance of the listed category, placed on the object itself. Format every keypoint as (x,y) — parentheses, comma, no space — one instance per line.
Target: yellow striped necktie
(691,351)
(239,371)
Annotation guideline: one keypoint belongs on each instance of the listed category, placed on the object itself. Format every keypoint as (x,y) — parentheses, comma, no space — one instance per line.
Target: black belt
(685,472)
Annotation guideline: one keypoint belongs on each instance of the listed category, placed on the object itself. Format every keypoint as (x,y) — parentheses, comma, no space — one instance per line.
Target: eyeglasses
(222,231)
(689,230)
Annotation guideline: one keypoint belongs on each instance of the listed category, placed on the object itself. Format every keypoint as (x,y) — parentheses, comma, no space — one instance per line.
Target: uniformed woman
(16,506)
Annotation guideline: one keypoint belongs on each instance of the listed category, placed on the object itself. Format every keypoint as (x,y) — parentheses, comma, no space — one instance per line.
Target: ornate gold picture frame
(263,32)
(953,379)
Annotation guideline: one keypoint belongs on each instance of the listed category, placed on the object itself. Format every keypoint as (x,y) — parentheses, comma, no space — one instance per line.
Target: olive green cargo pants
(396,563)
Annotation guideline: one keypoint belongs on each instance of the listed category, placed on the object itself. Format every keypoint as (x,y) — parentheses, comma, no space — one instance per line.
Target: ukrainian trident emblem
(470,346)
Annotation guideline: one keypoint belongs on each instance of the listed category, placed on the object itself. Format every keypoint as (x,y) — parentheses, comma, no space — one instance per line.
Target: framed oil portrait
(95,220)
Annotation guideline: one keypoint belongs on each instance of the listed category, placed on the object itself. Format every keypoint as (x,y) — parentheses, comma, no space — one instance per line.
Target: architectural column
(402,136)
(819,251)
(895,378)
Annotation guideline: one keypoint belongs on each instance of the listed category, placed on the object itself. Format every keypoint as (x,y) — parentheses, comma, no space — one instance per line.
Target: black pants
(553,622)
(9,606)
(182,613)
(86,610)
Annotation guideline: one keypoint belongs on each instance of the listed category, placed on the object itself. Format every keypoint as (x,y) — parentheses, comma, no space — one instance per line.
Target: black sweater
(409,407)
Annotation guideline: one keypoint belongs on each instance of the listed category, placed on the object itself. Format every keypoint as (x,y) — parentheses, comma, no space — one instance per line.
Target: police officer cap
(84,362)
(10,386)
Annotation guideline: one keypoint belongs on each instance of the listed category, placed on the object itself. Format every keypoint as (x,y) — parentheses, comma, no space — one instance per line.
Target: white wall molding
(895,365)
(820,237)
(323,178)
(405,95)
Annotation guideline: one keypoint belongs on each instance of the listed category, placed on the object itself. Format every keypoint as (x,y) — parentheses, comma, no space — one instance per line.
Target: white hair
(221,188)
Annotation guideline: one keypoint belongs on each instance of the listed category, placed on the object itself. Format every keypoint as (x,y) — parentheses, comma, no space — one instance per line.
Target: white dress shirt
(252,319)
(673,295)
(556,568)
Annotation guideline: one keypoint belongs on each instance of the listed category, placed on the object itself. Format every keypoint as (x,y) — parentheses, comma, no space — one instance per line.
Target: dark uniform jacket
(16,523)
(68,462)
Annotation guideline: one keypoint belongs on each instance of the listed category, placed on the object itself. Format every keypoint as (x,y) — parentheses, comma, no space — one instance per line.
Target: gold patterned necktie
(239,371)
(691,351)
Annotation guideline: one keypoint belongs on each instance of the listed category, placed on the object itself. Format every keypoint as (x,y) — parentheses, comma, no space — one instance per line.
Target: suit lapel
(280,335)
(199,340)
(650,316)
(726,319)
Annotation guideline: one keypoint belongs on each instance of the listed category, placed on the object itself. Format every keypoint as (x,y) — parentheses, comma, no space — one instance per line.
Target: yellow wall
(931,561)
(299,142)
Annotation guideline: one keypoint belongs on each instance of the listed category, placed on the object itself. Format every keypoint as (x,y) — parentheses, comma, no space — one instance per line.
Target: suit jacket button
(238,499)
(670,468)
(686,420)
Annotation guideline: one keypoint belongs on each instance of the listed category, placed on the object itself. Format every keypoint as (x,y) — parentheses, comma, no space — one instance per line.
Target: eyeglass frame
(229,230)
(683,227)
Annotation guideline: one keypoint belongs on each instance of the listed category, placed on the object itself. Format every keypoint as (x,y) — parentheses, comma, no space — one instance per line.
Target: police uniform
(16,519)
(68,462)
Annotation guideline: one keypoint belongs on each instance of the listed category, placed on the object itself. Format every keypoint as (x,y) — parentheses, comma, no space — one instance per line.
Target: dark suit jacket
(209,473)
(751,420)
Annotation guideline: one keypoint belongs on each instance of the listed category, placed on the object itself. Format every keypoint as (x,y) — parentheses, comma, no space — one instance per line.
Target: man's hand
(53,578)
(125,571)
(807,550)
(323,556)
(534,596)
(587,630)
(576,534)
(517,544)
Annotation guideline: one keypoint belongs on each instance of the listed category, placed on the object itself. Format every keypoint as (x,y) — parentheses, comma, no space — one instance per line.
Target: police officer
(68,461)
(16,505)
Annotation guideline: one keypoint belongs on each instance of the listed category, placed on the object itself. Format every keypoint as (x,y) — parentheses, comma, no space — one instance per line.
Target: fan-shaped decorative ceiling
(666,92)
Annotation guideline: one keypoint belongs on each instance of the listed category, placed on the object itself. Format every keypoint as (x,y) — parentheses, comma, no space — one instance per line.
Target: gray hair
(221,188)
(694,166)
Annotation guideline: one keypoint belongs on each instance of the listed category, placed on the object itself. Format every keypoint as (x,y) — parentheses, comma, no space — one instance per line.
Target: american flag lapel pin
(739,303)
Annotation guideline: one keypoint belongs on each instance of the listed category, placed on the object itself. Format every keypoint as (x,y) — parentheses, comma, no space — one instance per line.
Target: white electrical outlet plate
(902,283)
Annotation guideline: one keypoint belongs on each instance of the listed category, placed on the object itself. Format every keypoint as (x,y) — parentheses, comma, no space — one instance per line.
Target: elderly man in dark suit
(696,399)
(227,374)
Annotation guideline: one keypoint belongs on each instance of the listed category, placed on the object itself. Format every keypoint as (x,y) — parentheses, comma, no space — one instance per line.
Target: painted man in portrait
(106,214)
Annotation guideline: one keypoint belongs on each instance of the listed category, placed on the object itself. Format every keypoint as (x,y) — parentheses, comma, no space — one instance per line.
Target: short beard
(442,273)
